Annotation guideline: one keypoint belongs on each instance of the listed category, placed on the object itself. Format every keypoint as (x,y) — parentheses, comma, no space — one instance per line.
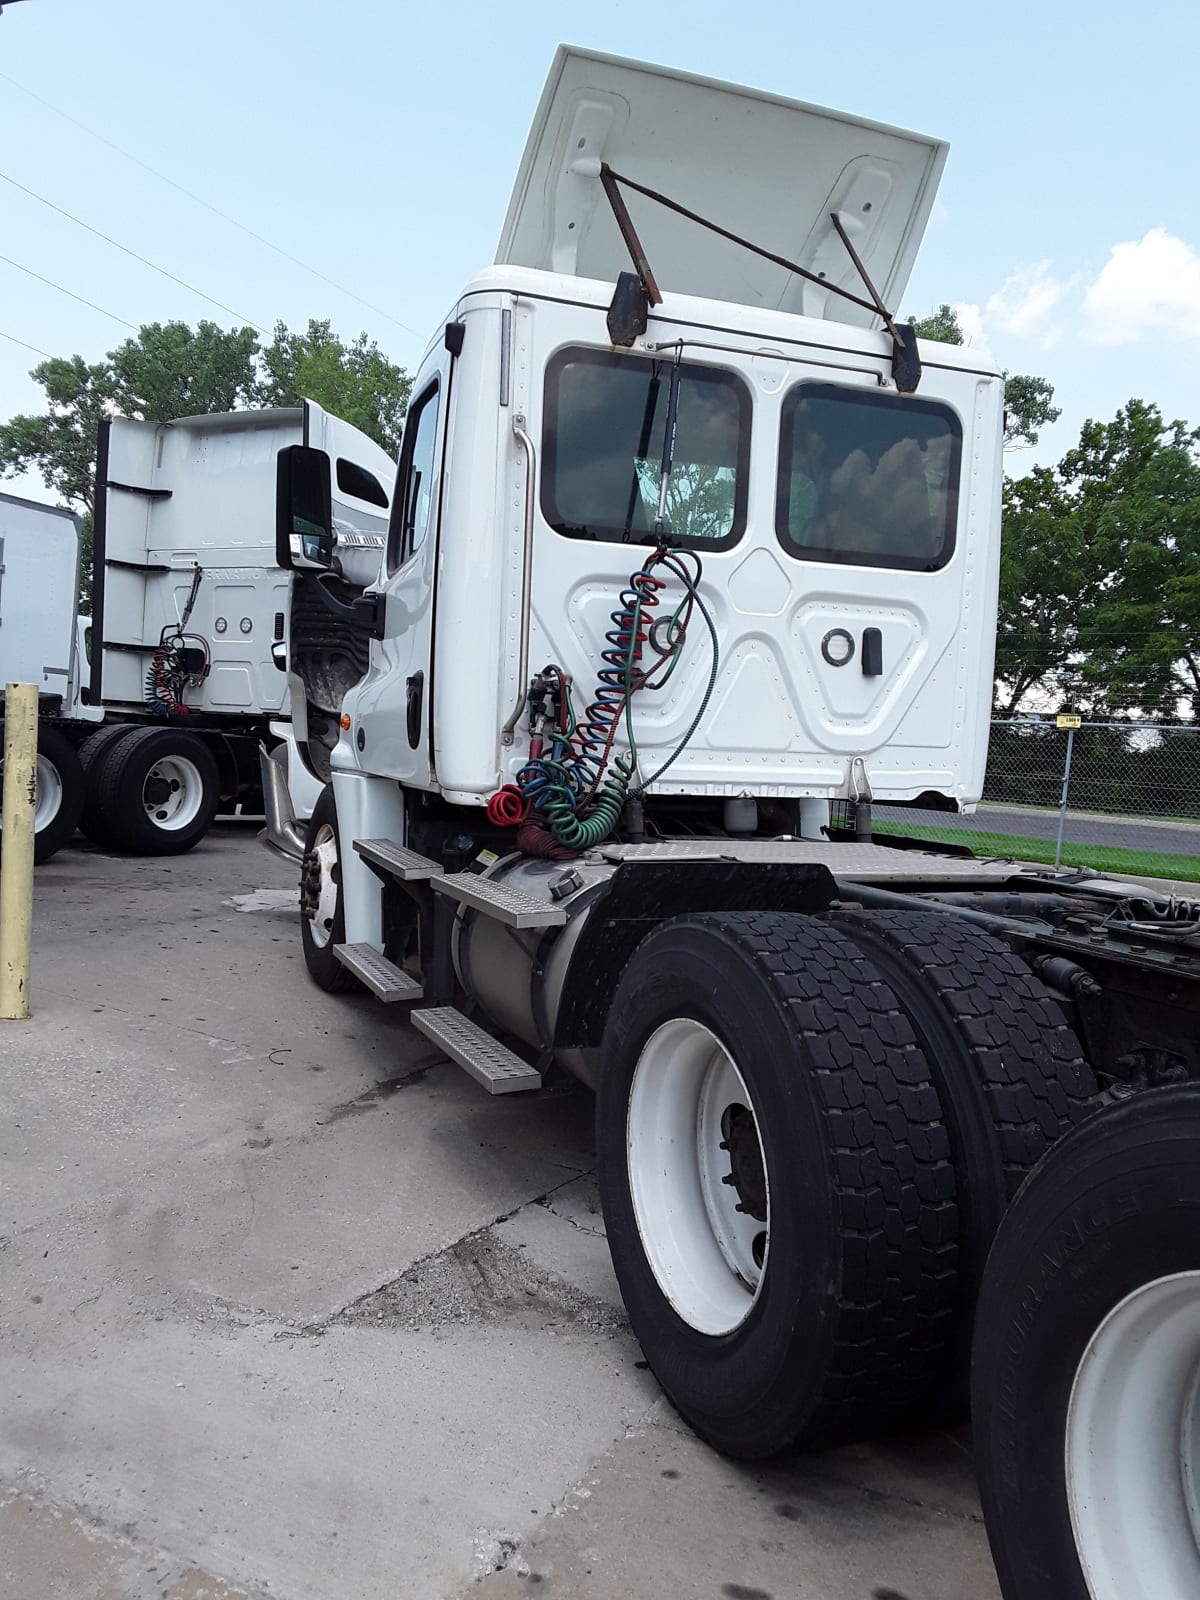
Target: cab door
(392,707)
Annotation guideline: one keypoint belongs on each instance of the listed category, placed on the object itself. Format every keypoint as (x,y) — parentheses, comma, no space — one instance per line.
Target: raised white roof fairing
(769,169)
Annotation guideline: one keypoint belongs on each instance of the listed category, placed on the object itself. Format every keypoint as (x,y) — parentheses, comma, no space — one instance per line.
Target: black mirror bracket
(365,613)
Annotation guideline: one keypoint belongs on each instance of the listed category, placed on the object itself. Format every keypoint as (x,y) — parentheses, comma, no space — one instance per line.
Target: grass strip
(1105,858)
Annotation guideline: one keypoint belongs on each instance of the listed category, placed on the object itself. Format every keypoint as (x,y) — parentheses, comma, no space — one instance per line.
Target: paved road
(1172,838)
(291,1308)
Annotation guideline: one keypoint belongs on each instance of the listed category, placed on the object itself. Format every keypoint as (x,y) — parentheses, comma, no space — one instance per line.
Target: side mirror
(303,509)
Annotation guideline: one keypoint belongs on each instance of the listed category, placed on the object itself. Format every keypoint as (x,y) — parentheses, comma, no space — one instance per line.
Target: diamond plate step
(381,976)
(489,1062)
(510,906)
(404,864)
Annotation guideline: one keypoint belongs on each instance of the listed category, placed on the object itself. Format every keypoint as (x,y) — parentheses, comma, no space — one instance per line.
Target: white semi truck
(693,555)
(204,646)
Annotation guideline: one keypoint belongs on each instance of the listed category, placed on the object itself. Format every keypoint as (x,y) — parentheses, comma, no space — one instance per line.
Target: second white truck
(204,644)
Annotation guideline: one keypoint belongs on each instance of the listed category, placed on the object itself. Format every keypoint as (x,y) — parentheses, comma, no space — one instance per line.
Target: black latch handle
(872,653)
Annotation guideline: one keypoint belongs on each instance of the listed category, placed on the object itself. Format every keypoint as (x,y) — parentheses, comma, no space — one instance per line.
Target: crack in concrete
(592,1233)
(501,1283)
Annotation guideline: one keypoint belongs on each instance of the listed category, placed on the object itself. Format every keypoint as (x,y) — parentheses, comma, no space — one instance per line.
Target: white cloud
(1153,282)
(970,320)
(1025,302)
(1023,307)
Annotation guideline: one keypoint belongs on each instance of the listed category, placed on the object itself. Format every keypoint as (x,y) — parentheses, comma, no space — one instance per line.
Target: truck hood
(769,169)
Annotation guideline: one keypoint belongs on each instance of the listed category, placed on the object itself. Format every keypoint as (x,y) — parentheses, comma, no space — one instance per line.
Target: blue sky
(377,142)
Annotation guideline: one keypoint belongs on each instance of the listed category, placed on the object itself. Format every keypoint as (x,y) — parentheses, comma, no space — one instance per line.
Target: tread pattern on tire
(92,753)
(891,1170)
(1035,1081)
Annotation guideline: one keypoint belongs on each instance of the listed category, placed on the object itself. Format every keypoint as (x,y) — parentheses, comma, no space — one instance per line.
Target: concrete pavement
(289,1307)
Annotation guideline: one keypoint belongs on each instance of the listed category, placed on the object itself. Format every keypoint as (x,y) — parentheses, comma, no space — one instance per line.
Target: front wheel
(322,917)
(776,1182)
(1086,1376)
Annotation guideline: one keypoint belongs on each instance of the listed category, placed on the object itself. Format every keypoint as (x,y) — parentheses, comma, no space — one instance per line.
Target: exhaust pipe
(283,832)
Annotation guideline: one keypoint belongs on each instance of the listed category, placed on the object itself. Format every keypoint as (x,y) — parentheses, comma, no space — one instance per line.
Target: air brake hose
(583,833)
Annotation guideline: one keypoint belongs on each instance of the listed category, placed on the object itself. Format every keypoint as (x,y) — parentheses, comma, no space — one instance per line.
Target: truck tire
(1008,1069)
(776,1182)
(1087,1363)
(157,791)
(322,914)
(58,798)
(92,754)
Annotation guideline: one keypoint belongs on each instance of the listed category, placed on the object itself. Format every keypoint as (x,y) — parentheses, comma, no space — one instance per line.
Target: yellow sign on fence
(1066,720)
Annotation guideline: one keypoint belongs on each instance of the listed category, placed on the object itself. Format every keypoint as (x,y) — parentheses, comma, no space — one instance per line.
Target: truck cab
(693,556)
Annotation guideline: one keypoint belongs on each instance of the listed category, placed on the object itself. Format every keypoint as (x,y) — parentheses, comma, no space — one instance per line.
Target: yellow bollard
(16,860)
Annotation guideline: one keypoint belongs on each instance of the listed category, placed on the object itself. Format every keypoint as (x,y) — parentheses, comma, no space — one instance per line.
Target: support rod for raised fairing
(611,179)
(883,311)
(629,233)
(16,864)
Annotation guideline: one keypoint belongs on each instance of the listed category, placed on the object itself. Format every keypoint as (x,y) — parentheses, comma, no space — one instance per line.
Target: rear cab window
(868,479)
(605,422)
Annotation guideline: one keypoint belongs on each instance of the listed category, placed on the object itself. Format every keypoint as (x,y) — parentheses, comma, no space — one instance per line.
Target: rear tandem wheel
(1086,1381)
(157,791)
(1009,1072)
(776,1182)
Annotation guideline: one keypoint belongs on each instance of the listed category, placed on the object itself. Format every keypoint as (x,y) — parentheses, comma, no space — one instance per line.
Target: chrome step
(489,1062)
(511,906)
(381,976)
(401,863)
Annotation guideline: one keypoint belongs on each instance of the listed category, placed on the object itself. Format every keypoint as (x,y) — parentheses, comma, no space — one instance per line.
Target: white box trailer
(694,554)
(204,646)
(43,641)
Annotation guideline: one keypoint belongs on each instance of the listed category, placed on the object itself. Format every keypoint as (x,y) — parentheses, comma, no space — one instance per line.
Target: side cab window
(412,504)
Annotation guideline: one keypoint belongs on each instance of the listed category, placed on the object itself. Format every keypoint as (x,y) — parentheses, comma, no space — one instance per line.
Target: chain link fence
(1120,796)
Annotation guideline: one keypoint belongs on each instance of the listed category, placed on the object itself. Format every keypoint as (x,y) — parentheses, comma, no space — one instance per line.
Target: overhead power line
(162,271)
(71,292)
(208,206)
(24,344)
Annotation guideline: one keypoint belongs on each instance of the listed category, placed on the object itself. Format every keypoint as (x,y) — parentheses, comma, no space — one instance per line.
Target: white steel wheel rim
(47,794)
(321,919)
(1133,1446)
(173,793)
(708,1258)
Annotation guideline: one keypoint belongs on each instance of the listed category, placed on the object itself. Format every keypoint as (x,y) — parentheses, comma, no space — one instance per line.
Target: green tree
(1028,402)
(60,445)
(942,325)
(1044,567)
(1028,408)
(171,370)
(354,381)
(1134,487)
